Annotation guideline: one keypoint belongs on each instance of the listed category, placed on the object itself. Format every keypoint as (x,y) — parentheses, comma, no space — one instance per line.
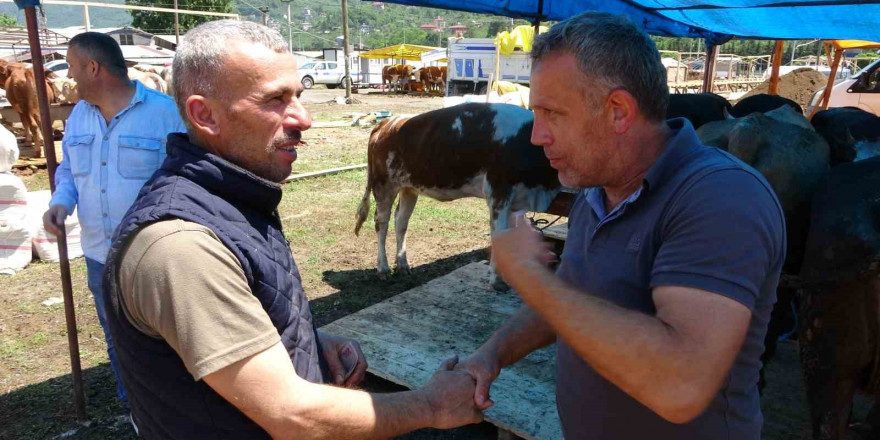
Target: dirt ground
(338,271)
(798,85)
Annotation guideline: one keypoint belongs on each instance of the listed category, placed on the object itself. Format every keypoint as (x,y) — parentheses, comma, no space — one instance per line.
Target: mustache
(291,137)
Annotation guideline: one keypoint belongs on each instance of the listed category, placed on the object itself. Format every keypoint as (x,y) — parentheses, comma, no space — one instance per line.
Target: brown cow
(21,91)
(431,79)
(469,150)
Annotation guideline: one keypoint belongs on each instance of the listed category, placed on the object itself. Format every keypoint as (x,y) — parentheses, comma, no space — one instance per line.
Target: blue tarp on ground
(715,20)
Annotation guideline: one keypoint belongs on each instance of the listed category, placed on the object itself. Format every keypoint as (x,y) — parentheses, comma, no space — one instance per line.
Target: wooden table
(405,338)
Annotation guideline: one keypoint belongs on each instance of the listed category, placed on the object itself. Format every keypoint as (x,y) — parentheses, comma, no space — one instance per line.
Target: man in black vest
(214,333)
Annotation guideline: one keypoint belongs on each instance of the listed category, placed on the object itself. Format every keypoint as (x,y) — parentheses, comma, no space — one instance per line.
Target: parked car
(861,90)
(329,73)
(58,67)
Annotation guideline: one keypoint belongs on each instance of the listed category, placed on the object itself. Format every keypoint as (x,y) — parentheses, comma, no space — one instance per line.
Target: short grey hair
(612,52)
(198,63)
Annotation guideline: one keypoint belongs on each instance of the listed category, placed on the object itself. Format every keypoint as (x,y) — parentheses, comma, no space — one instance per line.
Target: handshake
(458,392)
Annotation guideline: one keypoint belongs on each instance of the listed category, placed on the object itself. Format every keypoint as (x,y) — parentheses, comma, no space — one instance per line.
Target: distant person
(213,329)
(113,142)
(661,300)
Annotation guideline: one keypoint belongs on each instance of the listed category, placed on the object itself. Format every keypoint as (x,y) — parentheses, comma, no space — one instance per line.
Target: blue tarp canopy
(715,20)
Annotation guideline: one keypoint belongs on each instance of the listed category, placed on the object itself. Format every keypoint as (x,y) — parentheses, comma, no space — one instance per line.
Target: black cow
(700,108)
(840,323)
(851,133)
(793,158)
(762,103)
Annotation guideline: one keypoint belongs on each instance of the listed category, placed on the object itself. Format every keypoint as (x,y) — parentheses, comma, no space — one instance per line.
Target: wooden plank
(405,338)
(58,112)
(301,176)
(774,73)
(826,94)
(709,67)
(332,124)
(556,232)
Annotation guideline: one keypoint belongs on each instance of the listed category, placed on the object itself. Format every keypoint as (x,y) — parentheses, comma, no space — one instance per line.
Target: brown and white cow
(431,79)
(469,150)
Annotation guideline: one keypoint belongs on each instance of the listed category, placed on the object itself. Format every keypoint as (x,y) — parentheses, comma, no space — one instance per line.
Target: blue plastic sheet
(715,20)
(26,3)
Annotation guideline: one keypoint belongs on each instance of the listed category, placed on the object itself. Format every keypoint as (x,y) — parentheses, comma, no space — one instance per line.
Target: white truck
(472,60)
(331,71)
(861,90)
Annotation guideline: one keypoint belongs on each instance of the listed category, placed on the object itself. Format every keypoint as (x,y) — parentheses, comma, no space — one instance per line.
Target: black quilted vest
(240,208)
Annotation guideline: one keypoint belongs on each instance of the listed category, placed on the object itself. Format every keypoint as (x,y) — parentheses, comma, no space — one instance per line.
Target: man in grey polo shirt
(662,297)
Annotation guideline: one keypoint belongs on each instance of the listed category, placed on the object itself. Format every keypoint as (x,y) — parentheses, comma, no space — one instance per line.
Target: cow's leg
(38,135)
(830,388)
(405,206)
(26,127)
(499,215)
(384,195)
(781,322)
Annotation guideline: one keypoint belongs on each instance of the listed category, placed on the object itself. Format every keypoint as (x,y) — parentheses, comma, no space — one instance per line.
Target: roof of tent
(409,52)
(855,44)
(715,20)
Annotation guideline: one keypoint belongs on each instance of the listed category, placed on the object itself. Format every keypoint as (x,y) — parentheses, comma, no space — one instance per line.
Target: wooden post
(774,73)
(347,78)
(79,395)
(826,94)
(709,67)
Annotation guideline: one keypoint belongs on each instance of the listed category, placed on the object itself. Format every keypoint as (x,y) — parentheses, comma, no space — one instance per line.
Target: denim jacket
(105,165)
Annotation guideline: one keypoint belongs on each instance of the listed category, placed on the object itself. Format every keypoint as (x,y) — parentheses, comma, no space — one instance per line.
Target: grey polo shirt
(701,219)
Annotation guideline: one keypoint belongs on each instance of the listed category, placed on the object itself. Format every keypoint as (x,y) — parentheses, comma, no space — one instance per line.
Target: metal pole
(79,395)
(86,18)
(176,26)
(265,12)
(793,50)
(289,35)
(345,50)
(538,16)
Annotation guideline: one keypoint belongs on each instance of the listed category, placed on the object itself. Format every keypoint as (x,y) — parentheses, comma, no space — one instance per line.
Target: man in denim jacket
(114,141)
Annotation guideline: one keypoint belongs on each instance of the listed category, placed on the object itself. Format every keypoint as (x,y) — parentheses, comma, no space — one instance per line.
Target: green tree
(8,20)
(163,22)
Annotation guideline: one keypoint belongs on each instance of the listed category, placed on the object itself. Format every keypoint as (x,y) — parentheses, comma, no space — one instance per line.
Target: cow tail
(364,208)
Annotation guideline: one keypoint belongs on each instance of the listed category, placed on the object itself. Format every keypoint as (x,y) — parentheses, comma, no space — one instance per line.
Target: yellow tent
(855,44)
(409,52)
(520,36)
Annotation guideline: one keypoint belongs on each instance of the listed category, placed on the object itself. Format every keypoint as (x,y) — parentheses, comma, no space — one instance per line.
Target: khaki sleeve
(181,284)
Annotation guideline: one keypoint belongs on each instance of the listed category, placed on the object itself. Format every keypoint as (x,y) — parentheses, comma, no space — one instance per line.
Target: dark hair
(612,52)
(102,49)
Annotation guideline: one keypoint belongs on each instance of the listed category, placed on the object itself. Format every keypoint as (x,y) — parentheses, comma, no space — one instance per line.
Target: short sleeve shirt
(180,283)
(701,219)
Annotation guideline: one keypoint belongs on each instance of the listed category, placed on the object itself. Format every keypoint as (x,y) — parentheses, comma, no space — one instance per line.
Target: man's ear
(624,110)
(93,68)
(202,116)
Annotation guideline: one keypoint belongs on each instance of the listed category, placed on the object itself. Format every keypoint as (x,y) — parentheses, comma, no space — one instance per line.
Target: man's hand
(484,368)
(520,251)
(450,395)
(53,219)
(335,350)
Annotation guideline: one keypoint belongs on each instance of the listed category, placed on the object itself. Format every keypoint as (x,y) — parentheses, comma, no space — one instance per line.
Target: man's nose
(540,135)
(297,117)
